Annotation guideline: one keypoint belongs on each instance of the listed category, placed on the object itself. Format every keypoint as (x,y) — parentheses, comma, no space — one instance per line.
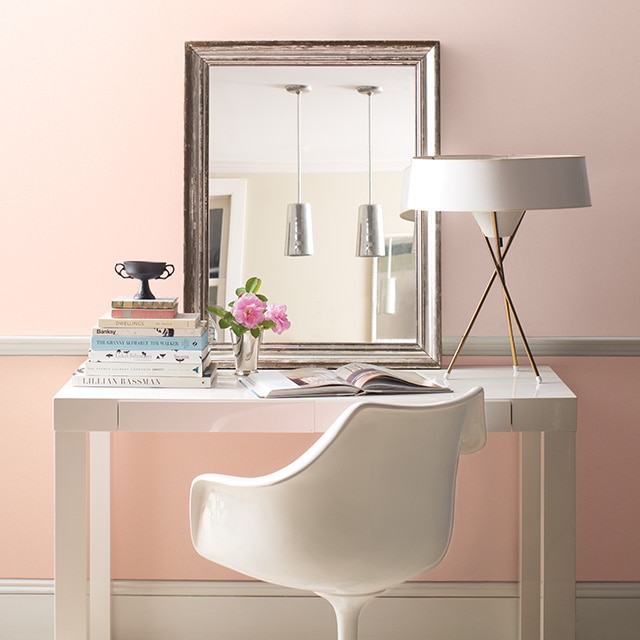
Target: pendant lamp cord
(299,148)
(370,155)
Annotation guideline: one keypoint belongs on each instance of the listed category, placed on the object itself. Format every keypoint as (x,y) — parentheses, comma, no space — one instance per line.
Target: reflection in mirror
(242,163)
(394,298)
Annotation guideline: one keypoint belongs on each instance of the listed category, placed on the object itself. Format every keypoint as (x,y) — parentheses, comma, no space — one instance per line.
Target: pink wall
(91,174)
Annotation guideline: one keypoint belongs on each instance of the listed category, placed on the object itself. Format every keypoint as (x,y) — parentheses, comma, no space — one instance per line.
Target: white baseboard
(175,610)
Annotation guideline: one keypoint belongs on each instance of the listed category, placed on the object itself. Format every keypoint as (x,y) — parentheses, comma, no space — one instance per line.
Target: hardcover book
(124,302)
(149,342)
(165,332)
(168,356)
(81,379)
(146,368)
(180,321)
(143,313)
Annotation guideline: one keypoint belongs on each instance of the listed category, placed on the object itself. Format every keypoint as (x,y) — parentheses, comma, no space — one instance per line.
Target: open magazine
(349,380)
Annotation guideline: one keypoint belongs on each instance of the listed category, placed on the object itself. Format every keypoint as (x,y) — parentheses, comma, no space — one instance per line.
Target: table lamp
(497,190)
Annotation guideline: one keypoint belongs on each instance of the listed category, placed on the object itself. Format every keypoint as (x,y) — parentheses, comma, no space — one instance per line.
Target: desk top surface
(499,383)
(513,402)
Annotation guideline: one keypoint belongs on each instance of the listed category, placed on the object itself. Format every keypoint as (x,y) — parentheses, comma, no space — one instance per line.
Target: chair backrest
(368,506)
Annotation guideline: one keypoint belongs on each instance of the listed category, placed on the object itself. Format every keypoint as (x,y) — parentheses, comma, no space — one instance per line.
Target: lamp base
(512,220)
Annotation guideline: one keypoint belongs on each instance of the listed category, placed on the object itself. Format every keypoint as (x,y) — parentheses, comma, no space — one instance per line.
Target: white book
(155,355)
(165,332)
(180,321)
(81,379)
(146,368)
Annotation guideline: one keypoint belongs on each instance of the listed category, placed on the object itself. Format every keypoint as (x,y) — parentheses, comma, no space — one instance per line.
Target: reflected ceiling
(330,141)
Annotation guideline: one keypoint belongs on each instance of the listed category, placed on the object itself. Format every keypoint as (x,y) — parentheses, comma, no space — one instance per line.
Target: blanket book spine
(81,379)
(168,356)
(124,302)
(164,332)
(149,342)
(143,313)
(181,320)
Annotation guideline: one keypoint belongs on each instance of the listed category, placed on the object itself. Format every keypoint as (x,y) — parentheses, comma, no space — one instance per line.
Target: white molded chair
(366,507)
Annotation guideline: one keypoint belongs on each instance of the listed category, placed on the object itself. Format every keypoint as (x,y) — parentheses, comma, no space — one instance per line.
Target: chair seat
(366,507)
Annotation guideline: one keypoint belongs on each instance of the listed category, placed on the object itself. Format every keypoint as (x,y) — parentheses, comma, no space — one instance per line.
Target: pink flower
(277,313)
(249,310)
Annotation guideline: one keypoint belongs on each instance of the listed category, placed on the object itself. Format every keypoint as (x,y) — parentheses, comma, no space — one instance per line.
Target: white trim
(546,346)
(44,345)
(168,609)
(474,346)
(262,589)
(256,589)
(26,586)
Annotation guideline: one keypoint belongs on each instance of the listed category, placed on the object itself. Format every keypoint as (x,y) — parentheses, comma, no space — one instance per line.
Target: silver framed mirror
(221,134)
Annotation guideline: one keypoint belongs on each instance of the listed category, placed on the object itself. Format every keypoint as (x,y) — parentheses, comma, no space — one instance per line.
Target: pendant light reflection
(370,241)
(387,286)
(299,240)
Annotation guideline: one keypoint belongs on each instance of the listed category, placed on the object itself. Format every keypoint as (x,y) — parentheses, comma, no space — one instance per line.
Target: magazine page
(375,379)
(306,381)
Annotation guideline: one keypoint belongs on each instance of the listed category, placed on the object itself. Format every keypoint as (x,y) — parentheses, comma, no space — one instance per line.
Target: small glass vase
(246,349)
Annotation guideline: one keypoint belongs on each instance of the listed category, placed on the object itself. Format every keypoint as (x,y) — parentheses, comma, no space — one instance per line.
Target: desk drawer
(233,416)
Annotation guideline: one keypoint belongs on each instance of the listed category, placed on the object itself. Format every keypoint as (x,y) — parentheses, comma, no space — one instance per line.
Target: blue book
(183,343)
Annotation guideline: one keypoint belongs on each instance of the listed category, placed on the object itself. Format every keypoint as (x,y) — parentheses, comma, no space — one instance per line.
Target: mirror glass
(242,171)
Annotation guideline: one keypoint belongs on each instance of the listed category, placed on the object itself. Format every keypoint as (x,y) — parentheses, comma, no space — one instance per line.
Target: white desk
(545,417)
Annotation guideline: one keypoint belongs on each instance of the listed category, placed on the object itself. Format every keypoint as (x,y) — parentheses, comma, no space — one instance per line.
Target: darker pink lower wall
(152,474)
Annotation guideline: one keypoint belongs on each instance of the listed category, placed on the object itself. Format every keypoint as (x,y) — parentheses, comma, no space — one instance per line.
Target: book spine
(83,380)
(132,368)
(152,343)
(143,313)
(179,322)
(164,332)
(165,356)
(132,303)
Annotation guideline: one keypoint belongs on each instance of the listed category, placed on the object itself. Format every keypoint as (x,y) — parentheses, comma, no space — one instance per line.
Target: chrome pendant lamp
(370,242)
(299,240)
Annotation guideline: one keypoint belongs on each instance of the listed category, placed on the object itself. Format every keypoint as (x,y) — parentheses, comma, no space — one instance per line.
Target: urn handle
(121,271)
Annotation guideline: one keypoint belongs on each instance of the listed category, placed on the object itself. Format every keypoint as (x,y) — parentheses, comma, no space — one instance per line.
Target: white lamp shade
(495,183)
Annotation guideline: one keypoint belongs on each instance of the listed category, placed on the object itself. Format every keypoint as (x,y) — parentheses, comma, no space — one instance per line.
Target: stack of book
(147,343)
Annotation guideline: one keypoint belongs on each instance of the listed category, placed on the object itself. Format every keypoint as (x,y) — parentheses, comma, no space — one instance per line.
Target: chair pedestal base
(347,609)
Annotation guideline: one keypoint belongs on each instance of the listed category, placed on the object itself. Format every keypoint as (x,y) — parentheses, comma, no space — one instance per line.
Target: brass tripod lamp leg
(515,315)
(500,267)
(502,253)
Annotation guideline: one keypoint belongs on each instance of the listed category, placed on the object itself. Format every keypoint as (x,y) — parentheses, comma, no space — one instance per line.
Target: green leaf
(261,297)
(253,284)
(219,311)
(240,291)
(255,332)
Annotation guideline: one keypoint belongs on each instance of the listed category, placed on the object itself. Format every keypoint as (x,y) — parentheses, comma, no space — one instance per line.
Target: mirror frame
(424,57)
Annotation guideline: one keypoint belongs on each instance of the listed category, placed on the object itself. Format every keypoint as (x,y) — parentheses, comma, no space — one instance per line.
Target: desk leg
(70,536)
(100,536)
(530,535)
(559,535)
(548,535)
